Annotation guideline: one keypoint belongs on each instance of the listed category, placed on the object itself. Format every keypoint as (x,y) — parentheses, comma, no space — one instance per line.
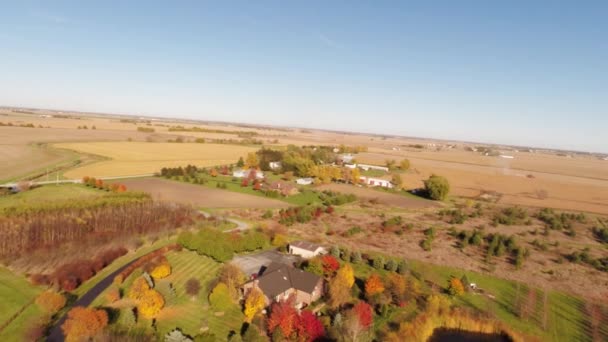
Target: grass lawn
(50,193)
(15,293)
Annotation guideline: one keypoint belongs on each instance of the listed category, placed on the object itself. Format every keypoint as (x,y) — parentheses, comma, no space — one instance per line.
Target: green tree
(437,187)
(220,297)
(241,162)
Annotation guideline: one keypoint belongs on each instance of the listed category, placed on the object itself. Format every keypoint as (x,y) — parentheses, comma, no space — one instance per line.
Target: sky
(531,73)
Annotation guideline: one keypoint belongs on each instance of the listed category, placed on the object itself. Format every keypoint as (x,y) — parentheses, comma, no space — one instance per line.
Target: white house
(370,181)
(240,173)
(275,165)
(372,167)
(304,181)
(350,166)
(306,249)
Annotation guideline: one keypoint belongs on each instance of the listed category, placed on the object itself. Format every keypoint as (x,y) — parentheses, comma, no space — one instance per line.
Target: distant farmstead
(276,165)
(306,249)
(284,188)
(241,173)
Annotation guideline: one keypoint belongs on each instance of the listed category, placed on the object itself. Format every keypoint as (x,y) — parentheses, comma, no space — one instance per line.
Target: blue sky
(515,72)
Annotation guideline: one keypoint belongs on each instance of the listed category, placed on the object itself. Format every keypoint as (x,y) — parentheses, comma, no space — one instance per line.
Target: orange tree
(373,285)
(50,301)
(455,287)
(83,323)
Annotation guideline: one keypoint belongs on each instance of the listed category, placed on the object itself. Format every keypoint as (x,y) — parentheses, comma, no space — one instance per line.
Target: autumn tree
(233,277)
(373,286)
(455,287)
(83,323)
(150,304)
(161,271)
(330,264)
(193,287)
(138,288)
(254,303)
(252,160)
(50,301)
(397,181)
(284,317)
(220,297)
(355,176)
(213,172)
(347,275)
(339,292)
(397,286)
(364,314)
(308,327)
(404,164)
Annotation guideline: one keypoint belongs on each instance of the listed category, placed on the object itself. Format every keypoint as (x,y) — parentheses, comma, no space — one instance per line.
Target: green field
(15,293)
(50,193)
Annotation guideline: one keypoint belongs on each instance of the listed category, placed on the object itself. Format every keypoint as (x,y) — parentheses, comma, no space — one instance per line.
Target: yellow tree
(347,275)
(161,271)
(254,303)
(138,289)
(150,303)
(355,175)
(252,160)
(404,164)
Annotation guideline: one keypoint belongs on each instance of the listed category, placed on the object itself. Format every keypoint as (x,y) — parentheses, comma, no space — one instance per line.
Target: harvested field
(391,200)
(138,158)
(200,196)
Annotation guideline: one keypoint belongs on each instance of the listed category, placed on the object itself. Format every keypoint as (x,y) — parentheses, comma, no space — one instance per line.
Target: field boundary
(15,315)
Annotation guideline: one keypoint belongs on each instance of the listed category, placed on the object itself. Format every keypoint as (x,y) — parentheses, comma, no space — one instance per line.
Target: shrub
(267,214)
(334,251)
(356,257)
(161,271)
(50,301)
(378,262)
(402,267)
(391,265)
(193,286)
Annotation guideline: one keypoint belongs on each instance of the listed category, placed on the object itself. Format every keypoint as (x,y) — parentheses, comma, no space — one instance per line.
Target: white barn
(306,249)
(370,181)
(275,165)
(372,167)
(304,181)
(240,173)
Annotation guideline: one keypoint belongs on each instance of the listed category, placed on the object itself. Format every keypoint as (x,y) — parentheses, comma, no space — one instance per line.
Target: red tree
(99,183)
(245,182)
(309,327)
(329,209)
(330,264)
(257,185)
(364,314)
(283,316)
(122,188)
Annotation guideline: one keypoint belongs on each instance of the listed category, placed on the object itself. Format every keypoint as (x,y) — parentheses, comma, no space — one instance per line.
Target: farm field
(139,158)
(199,195)
(50,193)
(574,189)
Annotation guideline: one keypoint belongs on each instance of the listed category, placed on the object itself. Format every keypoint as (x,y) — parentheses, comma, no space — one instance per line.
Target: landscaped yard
(189,314)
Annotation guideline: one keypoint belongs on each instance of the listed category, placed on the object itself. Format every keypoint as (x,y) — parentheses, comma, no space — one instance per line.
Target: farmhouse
(306,249)
(304,181)
(241,173)
(370,181)
(275,165)
(279,282)
(351,166)
(284,188)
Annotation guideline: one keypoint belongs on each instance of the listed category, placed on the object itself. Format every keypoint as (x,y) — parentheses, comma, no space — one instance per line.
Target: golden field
(139,158)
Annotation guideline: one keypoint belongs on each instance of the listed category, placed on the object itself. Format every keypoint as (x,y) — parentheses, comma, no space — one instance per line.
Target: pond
(455,335)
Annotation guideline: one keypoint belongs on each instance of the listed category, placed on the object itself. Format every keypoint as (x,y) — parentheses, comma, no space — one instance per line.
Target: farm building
(350,166)
(306,249)
(279,282)
(370,181)
(284,188)
(240,173)
(304,181)
(275,165)
(372,167)
(346,158)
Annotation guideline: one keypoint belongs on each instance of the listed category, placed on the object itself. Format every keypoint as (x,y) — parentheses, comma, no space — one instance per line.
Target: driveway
(252,263)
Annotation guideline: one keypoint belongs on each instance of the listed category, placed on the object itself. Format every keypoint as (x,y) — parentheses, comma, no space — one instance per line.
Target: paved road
(56,334)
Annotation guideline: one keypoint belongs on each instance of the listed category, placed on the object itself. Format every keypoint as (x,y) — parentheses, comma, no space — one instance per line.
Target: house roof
(278,278)
(309,246)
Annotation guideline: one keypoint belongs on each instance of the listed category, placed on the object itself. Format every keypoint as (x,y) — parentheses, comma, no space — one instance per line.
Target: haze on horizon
(521,73)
